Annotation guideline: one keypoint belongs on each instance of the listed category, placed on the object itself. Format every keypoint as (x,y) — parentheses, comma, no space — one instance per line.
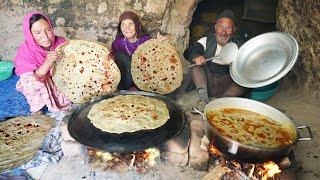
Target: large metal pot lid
(264,59)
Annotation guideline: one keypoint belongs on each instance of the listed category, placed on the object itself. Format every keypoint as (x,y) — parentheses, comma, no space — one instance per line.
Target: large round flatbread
(156,67)
(21,138)
(128,113)
(85,71)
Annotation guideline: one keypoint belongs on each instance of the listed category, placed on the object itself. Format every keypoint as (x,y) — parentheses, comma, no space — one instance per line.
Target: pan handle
(305,138)
(197,111)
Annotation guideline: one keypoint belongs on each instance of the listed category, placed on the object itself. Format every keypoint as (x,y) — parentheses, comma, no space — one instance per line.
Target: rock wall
(97,20)
(301,19)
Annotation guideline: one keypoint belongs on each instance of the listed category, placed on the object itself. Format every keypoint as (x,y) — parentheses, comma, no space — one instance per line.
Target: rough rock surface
(301,19)
(198,158)
(97,20)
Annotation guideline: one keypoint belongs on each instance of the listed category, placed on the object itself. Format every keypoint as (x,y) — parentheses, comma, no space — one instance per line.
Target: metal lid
(264,59)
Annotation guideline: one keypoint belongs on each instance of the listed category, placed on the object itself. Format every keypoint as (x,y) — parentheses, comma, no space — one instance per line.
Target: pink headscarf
(30,55)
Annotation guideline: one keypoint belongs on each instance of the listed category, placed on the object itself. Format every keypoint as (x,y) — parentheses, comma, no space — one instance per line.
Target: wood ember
(222,161)
(249,169)
(243,170)
(141,161)
(216,173)
(232,175)
(237,165)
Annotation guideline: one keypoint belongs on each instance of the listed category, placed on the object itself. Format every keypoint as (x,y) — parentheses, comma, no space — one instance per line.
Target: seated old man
(211,78)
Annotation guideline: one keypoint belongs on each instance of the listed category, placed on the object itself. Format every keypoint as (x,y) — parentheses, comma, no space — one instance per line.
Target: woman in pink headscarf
(33,63)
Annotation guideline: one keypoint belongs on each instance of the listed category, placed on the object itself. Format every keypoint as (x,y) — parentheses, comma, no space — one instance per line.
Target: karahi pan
(81,129)
(231,147)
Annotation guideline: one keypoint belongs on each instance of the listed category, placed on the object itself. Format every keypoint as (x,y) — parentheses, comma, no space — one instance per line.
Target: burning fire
(140,159)
(262,171)
(214,151)
(269,170)
(151,155)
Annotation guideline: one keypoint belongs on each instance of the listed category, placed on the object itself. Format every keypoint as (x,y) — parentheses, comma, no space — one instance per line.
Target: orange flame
(266,170)
(251,170)
(145,155)
(214,151)
(269,170)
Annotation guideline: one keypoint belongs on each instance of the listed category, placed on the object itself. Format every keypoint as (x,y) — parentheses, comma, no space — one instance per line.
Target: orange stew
(250,128)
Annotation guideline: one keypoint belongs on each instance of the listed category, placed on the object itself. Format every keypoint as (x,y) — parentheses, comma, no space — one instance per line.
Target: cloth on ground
(12,102)
(40,94)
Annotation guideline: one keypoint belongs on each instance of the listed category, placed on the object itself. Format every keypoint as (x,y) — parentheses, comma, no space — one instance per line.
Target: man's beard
(222,40)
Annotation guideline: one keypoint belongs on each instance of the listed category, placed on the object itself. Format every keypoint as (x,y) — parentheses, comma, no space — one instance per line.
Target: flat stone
(194,116)
(198,158)
(65,133)
(70,148)
(36,172)
(178,144)
(196,128)
(204,143)
(178,159)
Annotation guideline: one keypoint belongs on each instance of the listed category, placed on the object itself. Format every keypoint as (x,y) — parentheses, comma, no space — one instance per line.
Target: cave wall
(301,19)
(97,20)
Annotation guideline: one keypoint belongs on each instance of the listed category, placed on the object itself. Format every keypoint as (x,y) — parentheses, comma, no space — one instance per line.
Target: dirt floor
(307,152)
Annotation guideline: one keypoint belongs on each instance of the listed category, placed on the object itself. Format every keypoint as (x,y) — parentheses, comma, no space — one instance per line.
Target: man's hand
(199,60)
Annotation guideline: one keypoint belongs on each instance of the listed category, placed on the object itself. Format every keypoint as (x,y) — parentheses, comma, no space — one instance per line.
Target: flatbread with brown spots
(85,71)
(21,138)
(156,67)
(128,113)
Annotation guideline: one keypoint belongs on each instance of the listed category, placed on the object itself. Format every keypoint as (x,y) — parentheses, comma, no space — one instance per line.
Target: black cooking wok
(83,131)
(231,147)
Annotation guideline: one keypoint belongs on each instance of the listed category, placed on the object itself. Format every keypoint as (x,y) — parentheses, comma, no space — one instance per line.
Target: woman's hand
(53,56)
(199,60)
(161,37)
(111,56)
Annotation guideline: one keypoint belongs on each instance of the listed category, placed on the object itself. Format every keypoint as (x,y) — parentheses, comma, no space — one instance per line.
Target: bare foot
(37,113)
